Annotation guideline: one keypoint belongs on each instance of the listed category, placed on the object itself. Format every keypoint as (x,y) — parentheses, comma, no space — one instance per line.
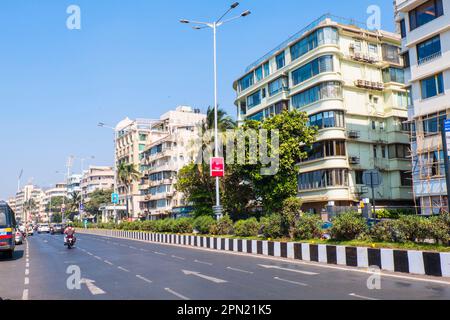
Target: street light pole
(214,25)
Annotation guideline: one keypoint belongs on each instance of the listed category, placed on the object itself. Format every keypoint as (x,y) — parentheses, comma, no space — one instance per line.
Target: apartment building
(171,149)
(74,183)
(12,203)
(425,31)
(132,137)
(350,81)
(96,178)
(28,202)
(59,190)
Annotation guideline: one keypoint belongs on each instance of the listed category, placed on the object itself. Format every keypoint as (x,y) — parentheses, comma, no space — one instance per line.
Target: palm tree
(224,121)
(74,201)
(30,206)
(127,174)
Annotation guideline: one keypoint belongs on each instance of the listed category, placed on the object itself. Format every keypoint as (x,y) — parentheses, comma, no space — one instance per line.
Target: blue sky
(131,58)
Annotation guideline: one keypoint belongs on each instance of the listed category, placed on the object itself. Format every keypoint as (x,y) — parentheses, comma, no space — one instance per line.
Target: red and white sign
(217,167)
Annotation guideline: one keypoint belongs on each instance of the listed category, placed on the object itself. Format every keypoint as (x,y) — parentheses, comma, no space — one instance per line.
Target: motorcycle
(70,241)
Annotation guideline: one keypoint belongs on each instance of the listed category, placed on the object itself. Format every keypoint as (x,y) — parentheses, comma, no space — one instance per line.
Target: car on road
(44,227)
(7,226)
(57,228)
(30,230)
(18,237)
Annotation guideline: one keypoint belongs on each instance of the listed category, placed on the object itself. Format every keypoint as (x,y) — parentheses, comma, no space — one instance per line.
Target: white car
(44,228)
(30,231)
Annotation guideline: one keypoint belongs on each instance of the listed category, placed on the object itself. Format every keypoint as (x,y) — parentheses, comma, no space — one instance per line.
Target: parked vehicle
(44,227)
(7,225)
(57,228)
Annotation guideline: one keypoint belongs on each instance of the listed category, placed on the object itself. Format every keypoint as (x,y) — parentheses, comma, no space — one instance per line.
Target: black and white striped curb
(406,261)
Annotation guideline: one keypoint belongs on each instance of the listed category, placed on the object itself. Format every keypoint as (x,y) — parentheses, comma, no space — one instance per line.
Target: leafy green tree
(96,199)
(127,174)
(294,136)
(74,202)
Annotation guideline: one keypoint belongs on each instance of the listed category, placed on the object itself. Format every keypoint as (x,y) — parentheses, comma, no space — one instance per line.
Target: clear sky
(131,58)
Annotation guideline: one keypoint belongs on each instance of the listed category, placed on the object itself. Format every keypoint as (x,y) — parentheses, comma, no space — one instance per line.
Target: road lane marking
(160,253)
(143,250)
(97,257)
(27,272)
(198,274)
(123,269)
(25,294)
(286,269)
(27,265)
(176,294)
(179,258)
(89,253)
(93,289)
(131,247)
(143,278)
(292,282)
(239,270)
(361,297)
(201,262)
(107,262)
(27,281)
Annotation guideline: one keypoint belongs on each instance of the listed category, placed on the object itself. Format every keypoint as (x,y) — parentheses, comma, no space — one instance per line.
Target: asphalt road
(121,269)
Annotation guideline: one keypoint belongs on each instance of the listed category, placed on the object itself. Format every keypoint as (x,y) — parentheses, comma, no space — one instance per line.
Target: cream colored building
(23,197)
(59,190)
(425,31)
(12,203)
(132,137)
(350,81)
(171,149)
(96,178)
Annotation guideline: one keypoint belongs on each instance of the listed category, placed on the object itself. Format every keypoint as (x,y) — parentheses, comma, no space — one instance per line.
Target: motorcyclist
(69,232)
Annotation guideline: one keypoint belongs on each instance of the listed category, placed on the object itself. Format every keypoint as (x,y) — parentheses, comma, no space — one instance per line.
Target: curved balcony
(335,162)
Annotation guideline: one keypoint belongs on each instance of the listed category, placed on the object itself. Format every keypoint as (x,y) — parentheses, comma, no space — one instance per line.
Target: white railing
(430,58)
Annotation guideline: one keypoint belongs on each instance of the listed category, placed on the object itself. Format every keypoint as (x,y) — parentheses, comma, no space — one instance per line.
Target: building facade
(172,147)
(58,191)
(132,137)
(350,81)
(96,178)
(74,183)
(29,203)
(425,31)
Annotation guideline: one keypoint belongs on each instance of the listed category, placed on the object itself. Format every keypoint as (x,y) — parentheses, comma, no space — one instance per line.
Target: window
(425,13)
(280,59)
(393,75)
(277,86)
(254,99)
(433,123)
(266,67)
(391,53)
(269,111)
(405,179)
(383,152)
(246,82)
(406,61)
(403,28)
(428,49)
(327,119)
(398,151)
(327,35)
(259,74)
(323,179)
(315,67)
(323,149)
(373,49)
(358,45)
(141,147)
(142,137)
(374,125)
(432,86)
(325,90)
(359,177)
(375,152)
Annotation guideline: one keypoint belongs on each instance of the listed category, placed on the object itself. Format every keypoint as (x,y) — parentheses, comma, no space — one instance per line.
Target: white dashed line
(107,262)
(293,282)
(142,278)
(201,262)
(180,258)
(361,297)
(27,281)
(25,294)
(176,294)
(27,272)
(160,253)
(97,257)
(239,270)
(123,269)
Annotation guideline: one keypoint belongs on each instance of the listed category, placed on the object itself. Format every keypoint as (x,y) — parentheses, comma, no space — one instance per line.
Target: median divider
(405,261)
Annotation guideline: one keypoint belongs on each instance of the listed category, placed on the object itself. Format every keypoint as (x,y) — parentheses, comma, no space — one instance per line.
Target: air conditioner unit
(354,160)
(353,134)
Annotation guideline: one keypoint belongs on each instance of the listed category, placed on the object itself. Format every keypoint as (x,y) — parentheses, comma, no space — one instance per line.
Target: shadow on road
(18,254)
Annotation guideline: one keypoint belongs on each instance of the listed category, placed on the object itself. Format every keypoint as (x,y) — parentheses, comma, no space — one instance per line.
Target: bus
(7,227)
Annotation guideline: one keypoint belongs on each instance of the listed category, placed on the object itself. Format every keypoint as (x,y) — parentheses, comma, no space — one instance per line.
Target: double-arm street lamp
(198,25)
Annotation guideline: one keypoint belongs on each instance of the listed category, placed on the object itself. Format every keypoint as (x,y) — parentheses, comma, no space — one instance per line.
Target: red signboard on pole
(217,167)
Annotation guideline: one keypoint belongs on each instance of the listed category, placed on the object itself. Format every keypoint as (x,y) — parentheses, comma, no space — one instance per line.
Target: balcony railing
(430,58)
